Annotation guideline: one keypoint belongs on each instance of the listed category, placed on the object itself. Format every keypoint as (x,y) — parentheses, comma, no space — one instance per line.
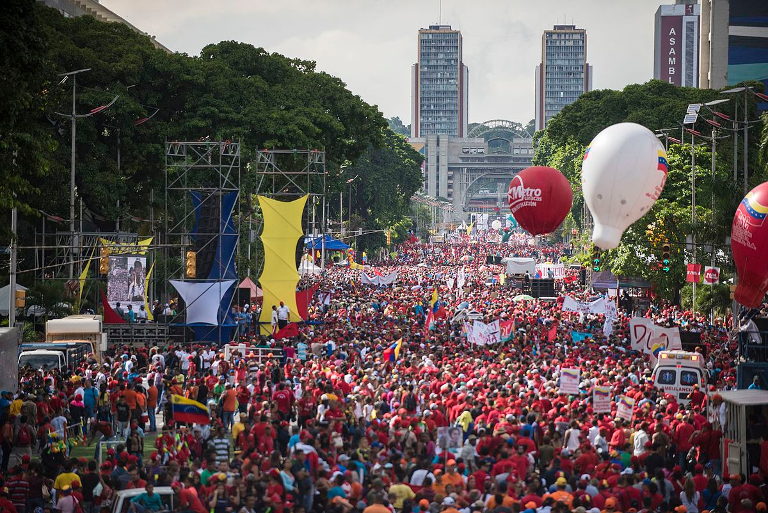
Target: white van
(677,371)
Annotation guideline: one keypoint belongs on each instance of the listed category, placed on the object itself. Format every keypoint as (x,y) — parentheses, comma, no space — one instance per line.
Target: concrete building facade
(439,84)
(563,74)
(676,44)
(733,42)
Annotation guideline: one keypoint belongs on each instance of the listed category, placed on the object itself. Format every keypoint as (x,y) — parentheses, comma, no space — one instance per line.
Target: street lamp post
(73,118)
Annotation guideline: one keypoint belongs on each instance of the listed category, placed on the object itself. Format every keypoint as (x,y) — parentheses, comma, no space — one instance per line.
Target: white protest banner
(461,278)
(647,337)
(449,282)
(388,280)
(569,381)
(601,399)
(598,306)
(482,334)
(571,305)
(379,281)
(625,407)
(550,270)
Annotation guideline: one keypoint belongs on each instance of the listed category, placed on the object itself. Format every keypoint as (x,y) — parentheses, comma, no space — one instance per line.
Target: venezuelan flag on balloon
(662,165)
(754,209)
(392,353)
(187,410)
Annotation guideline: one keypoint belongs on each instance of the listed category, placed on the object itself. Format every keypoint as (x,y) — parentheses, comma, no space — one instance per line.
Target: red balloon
(540,197)
(749,245)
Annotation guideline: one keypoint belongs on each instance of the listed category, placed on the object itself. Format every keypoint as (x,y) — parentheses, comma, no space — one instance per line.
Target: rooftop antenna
(439,12)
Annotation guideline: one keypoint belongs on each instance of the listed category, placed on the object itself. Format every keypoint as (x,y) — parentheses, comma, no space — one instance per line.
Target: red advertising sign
(694,273)
(711,275)
(671,54)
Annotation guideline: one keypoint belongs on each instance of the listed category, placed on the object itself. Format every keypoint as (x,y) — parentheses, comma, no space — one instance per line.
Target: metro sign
(711,275)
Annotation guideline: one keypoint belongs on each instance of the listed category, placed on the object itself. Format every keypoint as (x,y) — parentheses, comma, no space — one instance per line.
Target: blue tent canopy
(331,244)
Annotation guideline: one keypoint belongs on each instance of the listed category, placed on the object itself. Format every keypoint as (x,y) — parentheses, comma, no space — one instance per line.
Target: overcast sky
(371,44)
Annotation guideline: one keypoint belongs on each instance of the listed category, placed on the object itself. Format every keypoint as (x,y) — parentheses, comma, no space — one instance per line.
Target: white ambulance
(676,373)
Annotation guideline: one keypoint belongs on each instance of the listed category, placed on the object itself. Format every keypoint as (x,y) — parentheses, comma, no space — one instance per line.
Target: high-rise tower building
(439,99)
(676,44)
(563,74)
(733,42)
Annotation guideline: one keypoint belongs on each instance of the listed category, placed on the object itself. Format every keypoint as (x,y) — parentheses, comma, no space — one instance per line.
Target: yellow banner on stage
(146,293)
(119,248)
(282,230)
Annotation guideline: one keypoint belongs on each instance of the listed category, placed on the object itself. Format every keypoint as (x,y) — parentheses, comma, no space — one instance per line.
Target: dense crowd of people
(374,408)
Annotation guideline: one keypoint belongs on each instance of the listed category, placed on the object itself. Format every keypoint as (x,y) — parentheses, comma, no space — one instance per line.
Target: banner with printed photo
(601,399)
(450,438)
(569,381)
(126,281)
(648,338)
(625,407)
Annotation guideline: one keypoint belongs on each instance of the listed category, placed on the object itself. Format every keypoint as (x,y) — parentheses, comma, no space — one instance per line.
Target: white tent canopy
(5,297)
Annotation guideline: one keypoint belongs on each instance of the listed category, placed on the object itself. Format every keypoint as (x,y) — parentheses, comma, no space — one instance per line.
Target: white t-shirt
(283,312)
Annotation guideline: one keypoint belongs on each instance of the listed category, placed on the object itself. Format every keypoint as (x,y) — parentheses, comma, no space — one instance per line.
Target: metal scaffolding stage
(287,175)
(202,188)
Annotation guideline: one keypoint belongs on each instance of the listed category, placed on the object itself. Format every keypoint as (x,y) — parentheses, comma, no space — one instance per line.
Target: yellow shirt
(401,492)
(237,428)
(65,479)
(15,409)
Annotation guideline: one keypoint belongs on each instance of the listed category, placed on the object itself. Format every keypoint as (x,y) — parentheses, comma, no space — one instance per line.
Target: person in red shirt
(284,399)
(188,499)
(682,439)
(520,463)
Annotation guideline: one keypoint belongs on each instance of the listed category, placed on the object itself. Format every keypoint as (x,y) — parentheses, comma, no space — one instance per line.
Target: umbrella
(467,258)
(523,297)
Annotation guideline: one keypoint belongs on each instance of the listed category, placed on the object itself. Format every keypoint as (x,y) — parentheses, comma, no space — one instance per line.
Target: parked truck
(67,342)
(745,414)
(9,347)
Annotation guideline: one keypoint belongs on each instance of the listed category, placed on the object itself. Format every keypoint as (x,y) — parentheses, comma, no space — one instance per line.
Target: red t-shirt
(188,500)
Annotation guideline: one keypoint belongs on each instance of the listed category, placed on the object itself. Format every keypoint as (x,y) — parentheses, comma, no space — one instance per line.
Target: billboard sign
(671,54)
(125,281)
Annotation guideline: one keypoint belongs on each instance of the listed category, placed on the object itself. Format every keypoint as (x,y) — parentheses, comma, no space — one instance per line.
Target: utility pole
(73,118)
(693,212)
(12,271)
(746,143)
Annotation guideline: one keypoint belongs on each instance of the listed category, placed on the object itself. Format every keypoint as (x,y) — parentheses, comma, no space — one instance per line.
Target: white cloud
(371,44)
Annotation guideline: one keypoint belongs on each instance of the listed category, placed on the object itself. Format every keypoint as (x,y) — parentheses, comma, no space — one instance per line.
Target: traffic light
(190,266)
(389,238)
(21,298)
(666,260)
(597,263)
(104,260)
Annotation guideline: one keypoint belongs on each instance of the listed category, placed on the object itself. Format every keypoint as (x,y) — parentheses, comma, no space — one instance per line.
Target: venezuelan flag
(187,410)
(392,353)
(602,392)
(753,208)
(433,301)
(662,165)
(586,153)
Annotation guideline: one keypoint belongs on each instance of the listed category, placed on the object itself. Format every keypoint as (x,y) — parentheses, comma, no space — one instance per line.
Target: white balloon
(496,224)
(622,176)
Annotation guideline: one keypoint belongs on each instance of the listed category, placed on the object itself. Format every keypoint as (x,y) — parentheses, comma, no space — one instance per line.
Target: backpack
(24,438)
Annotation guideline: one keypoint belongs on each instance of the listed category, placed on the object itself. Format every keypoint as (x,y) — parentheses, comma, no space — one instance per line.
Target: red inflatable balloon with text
(749,245)
(540,197)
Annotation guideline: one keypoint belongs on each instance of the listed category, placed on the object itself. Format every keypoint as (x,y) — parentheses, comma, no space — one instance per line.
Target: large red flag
(110,316)
(552,333)
(291,330)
